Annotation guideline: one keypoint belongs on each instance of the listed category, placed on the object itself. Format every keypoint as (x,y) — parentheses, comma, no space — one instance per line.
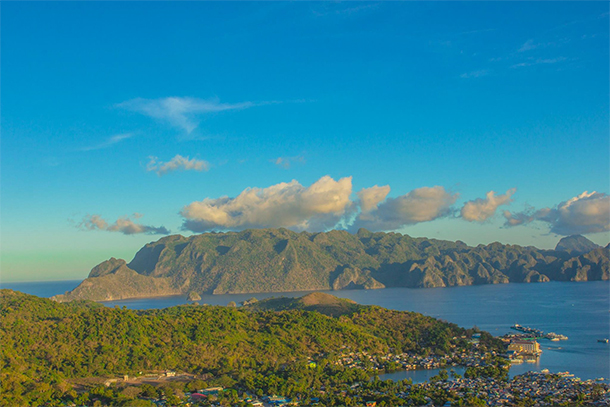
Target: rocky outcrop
(354,278)
(193,296)
(576,245)
(113,280)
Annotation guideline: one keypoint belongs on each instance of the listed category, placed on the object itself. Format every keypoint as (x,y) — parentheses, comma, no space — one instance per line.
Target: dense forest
(47,345)
(276,260)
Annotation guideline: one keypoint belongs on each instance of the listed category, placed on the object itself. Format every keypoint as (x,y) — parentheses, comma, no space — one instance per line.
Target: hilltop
(280,260)
(323,303)
(576,244)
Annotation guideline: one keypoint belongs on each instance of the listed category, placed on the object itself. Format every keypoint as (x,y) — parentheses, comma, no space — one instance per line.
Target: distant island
(280,260)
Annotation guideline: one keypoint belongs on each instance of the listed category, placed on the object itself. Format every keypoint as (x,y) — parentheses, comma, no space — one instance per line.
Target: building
(528,347)
(277,400)
(211,390)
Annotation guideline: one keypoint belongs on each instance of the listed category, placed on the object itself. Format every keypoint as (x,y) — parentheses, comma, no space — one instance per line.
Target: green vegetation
(497,370)
(275,260)
(48,346)
(314,350)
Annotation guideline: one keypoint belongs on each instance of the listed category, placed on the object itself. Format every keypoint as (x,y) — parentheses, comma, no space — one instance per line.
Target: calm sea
(580,311)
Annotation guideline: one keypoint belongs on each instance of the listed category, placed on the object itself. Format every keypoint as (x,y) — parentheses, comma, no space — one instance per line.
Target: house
(277,400)
(211,390)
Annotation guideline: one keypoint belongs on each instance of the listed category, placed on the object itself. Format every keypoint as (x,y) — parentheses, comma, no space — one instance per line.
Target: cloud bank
(419,205)
(122,225)
(328,204)
(324,205)
(182,112)
(178,163)
(481,209)
(369,198)
(585,213)
(317,207)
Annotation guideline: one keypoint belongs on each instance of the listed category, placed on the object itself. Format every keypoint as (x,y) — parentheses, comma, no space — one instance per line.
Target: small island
(193,296)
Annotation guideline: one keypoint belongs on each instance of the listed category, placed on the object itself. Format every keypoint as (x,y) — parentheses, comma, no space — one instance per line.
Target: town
(484,383)
(444,389)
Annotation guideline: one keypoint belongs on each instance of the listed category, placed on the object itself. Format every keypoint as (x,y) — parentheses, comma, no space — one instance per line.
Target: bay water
(580,311)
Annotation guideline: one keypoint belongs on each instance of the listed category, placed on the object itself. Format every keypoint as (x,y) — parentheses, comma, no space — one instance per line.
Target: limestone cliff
(276,260)
(113,280)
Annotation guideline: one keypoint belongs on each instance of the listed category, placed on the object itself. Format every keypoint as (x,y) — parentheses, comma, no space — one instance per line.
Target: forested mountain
(276,260)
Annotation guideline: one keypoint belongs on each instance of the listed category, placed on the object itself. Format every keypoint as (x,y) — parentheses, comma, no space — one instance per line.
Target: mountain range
(280,260)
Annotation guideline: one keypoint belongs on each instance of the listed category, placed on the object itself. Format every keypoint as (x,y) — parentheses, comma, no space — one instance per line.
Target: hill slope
(44,343)
(276,260)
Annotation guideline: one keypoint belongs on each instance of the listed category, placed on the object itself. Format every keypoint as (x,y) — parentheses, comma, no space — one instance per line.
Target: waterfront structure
(525,347)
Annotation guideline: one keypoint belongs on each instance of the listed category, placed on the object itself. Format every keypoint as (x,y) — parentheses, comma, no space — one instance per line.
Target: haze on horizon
(124,122)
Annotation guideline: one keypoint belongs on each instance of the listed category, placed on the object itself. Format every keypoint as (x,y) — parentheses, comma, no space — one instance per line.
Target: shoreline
(329,290)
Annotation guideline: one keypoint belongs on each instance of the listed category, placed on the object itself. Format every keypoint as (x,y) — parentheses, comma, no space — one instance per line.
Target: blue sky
(311,103)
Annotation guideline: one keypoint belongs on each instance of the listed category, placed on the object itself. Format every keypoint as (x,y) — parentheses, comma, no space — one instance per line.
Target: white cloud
(93,222)
(479,210)
(183,112)
(474,74)
(539,61)
(286,162)
(585,213)
(528,46)
(109,142)
(317,207)
(178,163)
(518,218)
(325,9)
(419,205)
(123,225)
(371,197)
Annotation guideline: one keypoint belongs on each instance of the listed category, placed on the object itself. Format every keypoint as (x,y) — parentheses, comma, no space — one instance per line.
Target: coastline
(30,286)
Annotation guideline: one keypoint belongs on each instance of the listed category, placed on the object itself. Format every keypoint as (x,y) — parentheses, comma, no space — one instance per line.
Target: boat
(605,340)
(527,330)
(556,337)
